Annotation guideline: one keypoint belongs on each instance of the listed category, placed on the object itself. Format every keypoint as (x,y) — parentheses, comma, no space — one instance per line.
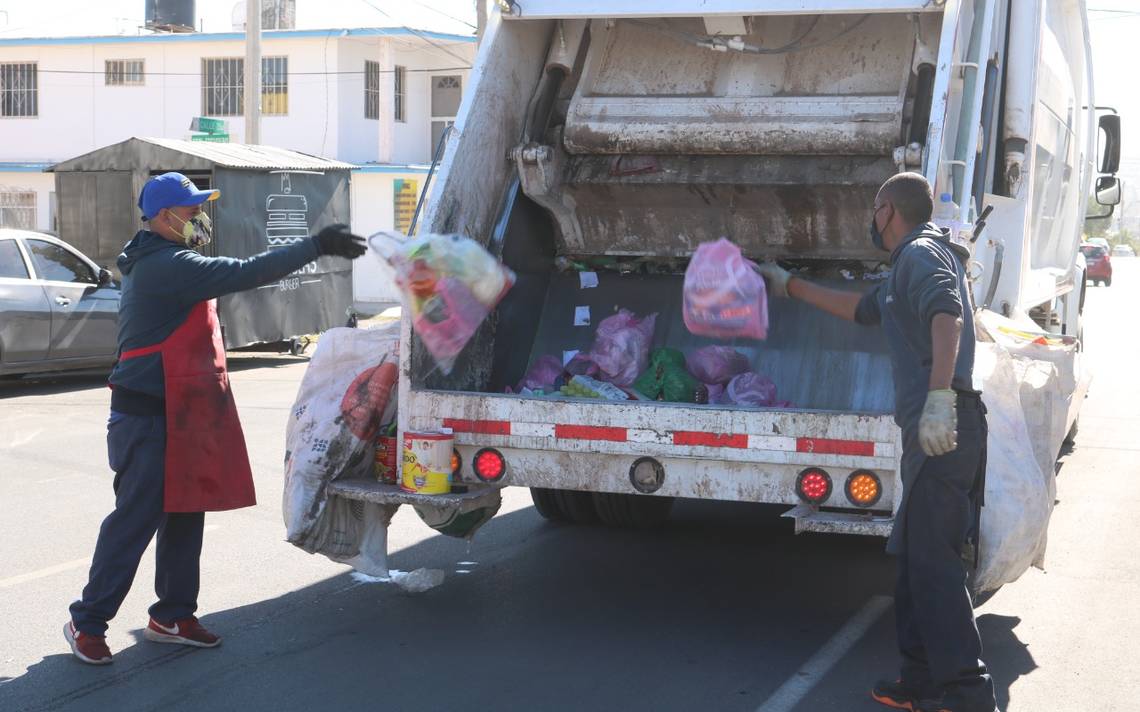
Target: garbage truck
(599,144)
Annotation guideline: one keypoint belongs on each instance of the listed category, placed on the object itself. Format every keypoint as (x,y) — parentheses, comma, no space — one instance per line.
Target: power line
(415,32)
(444,14)
(291,73)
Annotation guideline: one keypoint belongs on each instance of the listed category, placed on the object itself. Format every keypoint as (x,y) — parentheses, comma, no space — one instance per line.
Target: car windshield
(1092,251)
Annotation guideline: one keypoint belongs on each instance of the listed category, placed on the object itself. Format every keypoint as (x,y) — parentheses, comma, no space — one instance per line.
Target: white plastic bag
(330,435)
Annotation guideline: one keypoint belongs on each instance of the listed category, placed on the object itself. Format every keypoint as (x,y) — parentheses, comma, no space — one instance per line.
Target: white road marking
(810,673)
(65,566)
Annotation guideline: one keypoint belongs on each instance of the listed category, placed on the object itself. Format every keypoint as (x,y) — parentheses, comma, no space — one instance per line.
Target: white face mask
(196,232)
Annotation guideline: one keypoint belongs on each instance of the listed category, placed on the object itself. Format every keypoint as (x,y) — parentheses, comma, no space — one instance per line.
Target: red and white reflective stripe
(685,438)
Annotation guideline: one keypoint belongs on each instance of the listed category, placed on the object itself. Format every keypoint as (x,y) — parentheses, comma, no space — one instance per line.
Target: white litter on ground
(416,581)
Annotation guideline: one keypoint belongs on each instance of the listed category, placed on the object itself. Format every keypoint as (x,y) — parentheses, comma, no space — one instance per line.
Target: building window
(275,86)
(223,86)
(401,99)
(123,72)
(404,193)
(19,89)
(371,89)
(18,209)
(446,93)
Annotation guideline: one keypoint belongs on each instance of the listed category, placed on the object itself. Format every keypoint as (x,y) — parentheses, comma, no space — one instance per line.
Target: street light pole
(252,71)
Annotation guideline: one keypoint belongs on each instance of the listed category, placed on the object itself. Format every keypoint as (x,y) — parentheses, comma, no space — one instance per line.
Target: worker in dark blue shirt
(174,439)
(925,311)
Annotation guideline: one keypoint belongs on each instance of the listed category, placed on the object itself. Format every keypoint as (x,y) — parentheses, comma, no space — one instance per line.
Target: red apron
(207,466)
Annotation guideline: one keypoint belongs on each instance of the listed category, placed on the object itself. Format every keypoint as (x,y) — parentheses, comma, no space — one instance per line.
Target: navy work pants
(934,614)
(136,447)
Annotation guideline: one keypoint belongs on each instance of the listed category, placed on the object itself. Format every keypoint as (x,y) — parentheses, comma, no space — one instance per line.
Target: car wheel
(1108,282)
(546,504)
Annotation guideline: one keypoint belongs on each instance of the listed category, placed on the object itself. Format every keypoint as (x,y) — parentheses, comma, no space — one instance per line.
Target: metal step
(382,493)
(810,519)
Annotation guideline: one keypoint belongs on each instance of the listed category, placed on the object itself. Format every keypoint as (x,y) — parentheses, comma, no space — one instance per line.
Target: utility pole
(252,77)
(480,19)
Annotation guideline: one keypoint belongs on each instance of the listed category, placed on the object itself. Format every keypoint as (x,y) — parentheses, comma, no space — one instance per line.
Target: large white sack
(333,401)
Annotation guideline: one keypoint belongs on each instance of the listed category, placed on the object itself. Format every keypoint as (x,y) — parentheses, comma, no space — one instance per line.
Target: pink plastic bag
(621,346)
(751,389)
(542,374)
(717,364)
(724,297)
(447,320)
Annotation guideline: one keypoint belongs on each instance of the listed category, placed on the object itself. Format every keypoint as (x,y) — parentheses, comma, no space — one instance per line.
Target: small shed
(270,198)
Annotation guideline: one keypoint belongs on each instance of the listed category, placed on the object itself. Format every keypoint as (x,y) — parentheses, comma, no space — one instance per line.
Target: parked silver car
(58,309)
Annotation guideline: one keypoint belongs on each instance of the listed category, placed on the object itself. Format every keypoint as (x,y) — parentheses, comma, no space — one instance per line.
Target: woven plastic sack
(724,296)
(717,364)
(621,346)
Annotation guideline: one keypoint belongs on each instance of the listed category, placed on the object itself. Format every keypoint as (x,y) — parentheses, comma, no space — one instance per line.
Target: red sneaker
(91,649)
(187,631)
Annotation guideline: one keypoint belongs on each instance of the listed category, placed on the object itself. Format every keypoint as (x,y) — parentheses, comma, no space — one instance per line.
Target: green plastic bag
(652,382)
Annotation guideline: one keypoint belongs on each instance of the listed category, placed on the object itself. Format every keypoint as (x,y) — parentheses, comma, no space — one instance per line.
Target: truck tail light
(863,488)
(456,462)
(813,485)
(489,465)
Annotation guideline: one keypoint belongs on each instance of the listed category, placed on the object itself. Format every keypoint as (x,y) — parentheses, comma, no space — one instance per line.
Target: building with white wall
(374,97)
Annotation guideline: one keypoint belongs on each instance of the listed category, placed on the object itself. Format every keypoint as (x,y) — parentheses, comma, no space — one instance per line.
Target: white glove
(938,426)
(775,277)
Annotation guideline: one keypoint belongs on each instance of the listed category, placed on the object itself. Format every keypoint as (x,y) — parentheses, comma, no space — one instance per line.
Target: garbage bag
(542,374)
(652,380)
(464,519)
(621,346)
(349,388)
(717,364)
(677,386)
(724,296)
(751,389)
(449,284)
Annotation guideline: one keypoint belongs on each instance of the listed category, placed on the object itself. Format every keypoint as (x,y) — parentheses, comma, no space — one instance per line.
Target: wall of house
(412,138)
(42,184)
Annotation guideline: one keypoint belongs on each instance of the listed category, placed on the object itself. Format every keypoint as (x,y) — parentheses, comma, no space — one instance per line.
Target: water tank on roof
(170,15)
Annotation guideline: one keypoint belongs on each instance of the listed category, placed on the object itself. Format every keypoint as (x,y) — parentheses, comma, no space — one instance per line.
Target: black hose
(923,97)
(982,164)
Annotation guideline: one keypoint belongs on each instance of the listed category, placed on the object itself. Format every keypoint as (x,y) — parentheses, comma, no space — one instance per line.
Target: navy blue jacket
(927,278)
(162,281)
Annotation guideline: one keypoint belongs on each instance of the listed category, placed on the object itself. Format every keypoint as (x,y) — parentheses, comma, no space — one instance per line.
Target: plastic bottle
(946,212)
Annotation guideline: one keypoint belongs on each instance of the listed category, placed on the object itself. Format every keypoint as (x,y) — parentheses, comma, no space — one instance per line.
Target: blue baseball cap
(169,190)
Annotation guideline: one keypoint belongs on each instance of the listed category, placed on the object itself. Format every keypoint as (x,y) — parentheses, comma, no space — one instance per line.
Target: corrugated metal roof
(268,35)
(240,155)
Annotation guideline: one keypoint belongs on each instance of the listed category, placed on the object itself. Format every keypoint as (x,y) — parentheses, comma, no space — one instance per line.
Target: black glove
(337,241)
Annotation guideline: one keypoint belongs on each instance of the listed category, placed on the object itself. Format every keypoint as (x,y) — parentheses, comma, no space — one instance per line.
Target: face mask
(876,235)
(196,231)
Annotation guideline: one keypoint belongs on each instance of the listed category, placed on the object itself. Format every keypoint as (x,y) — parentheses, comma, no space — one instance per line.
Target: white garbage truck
(599,143)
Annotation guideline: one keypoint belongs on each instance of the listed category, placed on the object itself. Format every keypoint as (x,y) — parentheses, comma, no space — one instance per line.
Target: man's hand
(337,241)
(938,426)
(775,277)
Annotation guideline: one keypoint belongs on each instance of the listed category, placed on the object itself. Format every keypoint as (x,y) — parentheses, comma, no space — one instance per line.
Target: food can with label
(386,458)
(427,463)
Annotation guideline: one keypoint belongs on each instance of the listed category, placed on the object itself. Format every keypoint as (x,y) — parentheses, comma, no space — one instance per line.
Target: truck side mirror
(1108,190)
(1110,149)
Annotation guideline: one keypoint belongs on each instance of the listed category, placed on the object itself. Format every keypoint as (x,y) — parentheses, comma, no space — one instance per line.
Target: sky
(1114,26)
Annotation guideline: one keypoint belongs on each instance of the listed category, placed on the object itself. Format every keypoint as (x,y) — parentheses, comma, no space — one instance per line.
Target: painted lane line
(65,566)
(810,673)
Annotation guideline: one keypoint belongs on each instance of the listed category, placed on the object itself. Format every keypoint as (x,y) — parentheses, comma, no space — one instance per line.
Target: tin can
(427,463)
(385,463)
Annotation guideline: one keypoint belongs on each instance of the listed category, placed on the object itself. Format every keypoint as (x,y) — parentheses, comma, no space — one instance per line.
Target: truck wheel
(577,506)
(632,511)
(546,504)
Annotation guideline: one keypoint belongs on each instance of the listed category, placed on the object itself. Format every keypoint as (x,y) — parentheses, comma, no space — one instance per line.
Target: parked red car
(1099,264)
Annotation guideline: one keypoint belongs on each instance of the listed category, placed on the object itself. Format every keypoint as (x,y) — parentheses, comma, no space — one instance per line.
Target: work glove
(337,241)
(775,277)
(938,426)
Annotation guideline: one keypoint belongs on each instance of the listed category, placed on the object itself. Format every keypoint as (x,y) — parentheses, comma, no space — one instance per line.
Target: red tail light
(489,465)
(813,485)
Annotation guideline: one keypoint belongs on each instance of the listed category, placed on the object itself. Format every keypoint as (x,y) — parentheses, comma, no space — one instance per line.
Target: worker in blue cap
(174,439)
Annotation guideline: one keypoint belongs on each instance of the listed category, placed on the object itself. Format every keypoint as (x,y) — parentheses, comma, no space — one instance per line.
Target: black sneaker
(898,695)
(938,706)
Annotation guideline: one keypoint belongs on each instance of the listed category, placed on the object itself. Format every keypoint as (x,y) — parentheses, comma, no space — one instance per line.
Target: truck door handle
(63,301)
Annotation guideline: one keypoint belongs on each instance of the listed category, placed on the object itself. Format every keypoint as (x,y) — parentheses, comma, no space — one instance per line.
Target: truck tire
(577,506)
(632,511)
(546,504)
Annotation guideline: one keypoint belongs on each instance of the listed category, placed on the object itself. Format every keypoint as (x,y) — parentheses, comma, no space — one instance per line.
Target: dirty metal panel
(553,9)
(808,519)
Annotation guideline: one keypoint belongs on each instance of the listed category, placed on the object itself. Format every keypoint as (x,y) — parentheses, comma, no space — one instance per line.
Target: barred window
(275,86)
(371,89)
(222,83)
(223,86)
(401,86)
(18,209)
(19,89)
(123,72)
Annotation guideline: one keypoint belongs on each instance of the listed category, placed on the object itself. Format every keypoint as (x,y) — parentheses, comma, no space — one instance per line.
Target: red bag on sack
(724,296)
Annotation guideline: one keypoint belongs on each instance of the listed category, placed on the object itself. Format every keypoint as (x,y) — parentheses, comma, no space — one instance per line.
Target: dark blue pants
(934,614)
(136,446)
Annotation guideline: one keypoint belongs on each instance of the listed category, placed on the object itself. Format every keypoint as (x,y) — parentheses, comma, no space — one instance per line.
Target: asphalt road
(722,610)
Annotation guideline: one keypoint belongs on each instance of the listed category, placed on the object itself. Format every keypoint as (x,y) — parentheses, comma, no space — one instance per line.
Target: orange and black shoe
(942,706)
(899,695)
